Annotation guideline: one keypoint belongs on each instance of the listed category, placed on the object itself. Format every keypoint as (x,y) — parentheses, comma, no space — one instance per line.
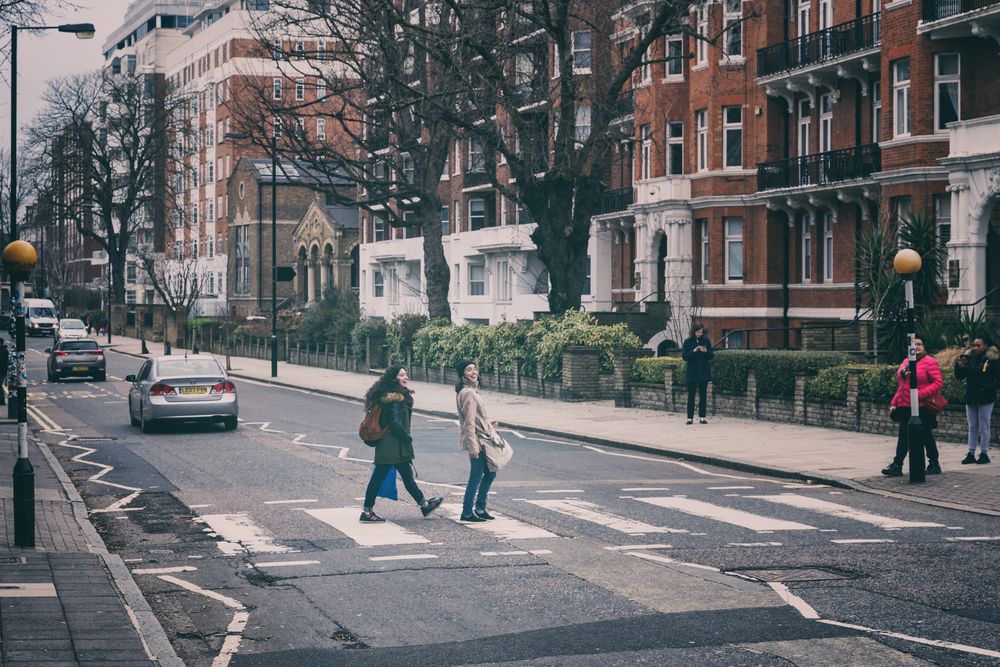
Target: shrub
(364,328)
(332,319)
(878,383)
(650,370)
(775,369)
(830,384)
(577,328)
(399,333)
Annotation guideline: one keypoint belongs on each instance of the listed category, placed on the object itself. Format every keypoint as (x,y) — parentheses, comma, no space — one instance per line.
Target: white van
(39,317)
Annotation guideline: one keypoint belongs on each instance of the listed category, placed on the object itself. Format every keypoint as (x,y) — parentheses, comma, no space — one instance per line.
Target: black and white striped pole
(907,263)
(19,259)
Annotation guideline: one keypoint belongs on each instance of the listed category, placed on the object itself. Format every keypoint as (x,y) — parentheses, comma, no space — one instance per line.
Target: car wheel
(131,417)
(146,425)
(230,423)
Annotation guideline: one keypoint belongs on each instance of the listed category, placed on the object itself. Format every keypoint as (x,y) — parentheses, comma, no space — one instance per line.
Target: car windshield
(179,368)
(72,324)
(79,345)
(43,311)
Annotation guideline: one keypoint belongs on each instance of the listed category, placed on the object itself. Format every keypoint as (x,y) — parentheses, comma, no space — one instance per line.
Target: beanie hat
(460,366)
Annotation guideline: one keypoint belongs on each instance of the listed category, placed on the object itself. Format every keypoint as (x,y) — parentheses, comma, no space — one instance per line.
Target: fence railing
(820,168)
(828,44)
(935,10)
(613,201)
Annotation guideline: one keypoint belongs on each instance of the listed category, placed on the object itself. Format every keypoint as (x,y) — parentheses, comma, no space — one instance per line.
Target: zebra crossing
(693,521)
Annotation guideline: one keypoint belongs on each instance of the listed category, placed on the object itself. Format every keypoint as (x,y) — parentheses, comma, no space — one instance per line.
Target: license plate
(194,390)
(80,368)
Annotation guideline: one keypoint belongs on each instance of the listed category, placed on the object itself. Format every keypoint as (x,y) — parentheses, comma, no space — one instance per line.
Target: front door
(661,270)
(993,259)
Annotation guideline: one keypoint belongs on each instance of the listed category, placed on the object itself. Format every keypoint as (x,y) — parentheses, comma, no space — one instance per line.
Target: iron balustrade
(827,44)
(474,176)
(820,168)
(625,105)
(935,10)
(613,201)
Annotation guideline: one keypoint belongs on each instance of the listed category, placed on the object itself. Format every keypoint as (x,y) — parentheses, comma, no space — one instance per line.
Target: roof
(345,216)
(296,172)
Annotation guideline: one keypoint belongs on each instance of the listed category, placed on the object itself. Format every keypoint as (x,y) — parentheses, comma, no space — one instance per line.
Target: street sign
(284,274)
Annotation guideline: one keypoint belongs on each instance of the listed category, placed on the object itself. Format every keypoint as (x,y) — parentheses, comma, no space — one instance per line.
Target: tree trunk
(117,265)
(436,272)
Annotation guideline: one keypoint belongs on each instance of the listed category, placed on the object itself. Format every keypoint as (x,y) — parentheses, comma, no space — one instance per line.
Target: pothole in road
(784,574)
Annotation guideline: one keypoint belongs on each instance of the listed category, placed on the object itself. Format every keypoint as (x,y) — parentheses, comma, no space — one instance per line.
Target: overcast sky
(48,54)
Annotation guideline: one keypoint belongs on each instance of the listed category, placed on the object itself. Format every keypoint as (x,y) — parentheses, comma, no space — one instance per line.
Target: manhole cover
(794,574)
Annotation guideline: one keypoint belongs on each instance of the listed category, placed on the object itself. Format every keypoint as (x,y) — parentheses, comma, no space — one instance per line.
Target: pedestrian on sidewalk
(697,353)
(473,425)
(931,402)
(394,449)
(4,369)
(979,366)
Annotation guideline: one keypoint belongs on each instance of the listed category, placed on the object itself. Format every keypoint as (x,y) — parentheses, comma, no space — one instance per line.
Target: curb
(729,464)
(151,633)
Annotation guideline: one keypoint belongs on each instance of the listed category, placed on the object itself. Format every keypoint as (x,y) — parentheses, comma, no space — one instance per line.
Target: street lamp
(19,258)
(274,241)
(82,31)
(907,263)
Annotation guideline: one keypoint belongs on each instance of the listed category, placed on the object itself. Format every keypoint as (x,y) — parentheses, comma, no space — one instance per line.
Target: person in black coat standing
(697,352)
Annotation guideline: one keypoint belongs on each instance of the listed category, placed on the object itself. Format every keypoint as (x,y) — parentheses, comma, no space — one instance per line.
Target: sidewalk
(67,601)
(845,458)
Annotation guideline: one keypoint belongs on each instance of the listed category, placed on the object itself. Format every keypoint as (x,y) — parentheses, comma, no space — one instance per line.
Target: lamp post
(19,258)
(907,263)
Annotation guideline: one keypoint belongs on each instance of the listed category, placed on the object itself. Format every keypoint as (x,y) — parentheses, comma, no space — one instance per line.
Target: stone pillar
(751,395)
(668,386)
(853,395)
(310,281)
(799,409)
(601,242)
(323,276)
(581,369)
(622,361)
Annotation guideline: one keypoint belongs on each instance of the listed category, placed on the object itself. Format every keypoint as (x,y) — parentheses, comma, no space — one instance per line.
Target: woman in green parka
(395,448)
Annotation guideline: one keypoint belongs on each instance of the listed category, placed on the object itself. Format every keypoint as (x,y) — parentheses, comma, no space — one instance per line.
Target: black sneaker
(370,517)
(703,420)
(933,468)
(471,518)
(893,470)
(485,515)
(432,505)
(689,422)
(983,458)
(969,458)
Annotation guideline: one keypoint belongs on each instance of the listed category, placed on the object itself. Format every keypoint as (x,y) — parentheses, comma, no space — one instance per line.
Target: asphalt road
(247,546)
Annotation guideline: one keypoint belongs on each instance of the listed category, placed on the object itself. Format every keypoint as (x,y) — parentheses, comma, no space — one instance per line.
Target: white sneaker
(689,422)
(703,421)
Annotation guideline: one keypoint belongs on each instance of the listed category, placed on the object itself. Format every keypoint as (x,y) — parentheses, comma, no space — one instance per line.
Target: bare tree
(26,184)
(111,134)
(26,13)
(178,283)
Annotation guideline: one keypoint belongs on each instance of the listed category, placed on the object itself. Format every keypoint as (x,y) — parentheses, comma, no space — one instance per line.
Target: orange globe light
(19,257)
(907,261)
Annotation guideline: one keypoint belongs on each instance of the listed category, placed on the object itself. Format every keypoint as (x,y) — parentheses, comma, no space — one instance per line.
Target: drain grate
(794,574)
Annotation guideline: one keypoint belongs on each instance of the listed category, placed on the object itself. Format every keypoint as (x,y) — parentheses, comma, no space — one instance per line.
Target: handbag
(498,451)
(935,403)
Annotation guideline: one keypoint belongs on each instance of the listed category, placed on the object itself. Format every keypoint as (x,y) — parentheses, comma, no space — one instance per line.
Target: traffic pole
(907,263)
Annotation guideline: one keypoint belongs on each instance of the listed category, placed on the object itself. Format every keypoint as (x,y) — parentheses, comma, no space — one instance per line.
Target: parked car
(78,358)
(182,388)
(69,328)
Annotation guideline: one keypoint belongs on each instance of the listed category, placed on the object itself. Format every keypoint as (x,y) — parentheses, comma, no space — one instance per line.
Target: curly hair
(384,384)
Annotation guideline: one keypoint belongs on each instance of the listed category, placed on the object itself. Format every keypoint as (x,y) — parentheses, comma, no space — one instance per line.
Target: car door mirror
(48,350)
(130,378)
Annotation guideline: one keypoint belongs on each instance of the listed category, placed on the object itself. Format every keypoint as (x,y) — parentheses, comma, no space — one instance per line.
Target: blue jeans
(478,489)
(979,426)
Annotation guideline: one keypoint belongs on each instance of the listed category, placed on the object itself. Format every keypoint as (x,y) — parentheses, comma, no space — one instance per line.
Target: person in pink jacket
(929,385)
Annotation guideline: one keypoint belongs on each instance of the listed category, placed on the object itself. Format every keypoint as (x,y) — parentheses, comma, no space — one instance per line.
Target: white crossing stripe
(863,541)
(633,547)
(844,511)
(581,509)
(284,563)
(724,514)
(973,539)
(503,527)
(345,519)
(239,532)
(403,557)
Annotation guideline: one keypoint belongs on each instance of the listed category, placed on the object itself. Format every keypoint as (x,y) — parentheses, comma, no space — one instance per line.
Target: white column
(324,270)
(601,252)
(310,281)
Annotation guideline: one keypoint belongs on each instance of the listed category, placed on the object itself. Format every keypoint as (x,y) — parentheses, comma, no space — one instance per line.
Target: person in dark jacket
(4,370)
(395,448)
(697,352)
(979,366)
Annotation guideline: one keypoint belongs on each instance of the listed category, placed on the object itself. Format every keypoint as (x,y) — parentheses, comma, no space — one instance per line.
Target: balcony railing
(817,47)
(475,175)
(527,94)
(625,105)
(935,10)
(613,201)
(820,168)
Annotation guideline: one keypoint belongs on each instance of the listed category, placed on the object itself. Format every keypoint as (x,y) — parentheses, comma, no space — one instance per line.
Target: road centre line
(403,557)
(285,502)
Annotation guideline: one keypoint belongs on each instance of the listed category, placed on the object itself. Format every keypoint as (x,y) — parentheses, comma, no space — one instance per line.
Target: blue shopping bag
(388,488)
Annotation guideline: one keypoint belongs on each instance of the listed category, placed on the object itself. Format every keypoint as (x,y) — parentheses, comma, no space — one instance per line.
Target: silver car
(182,388)
(69,328)
(76,358)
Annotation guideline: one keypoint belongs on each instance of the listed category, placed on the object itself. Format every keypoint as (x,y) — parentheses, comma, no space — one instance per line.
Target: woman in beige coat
(473,423)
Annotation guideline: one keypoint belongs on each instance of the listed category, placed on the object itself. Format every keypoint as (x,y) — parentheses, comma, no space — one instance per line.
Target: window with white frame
(211,173)
(409,172)
(675,148)
(646,151)
(942,218)
(321,128)
(827,247)
(477,279)
(502,276)
(242,248)
(194,248)
(701,125)
(458,215)
(300,90)
(130,297)
(210,245)
(378,228)
(703,227)
(300,127)
(220,207)
(211,283)
(876,111)
(378,284)
(674,50)
(131,272)
(457,161)
(276,49)
(211,210)
(807,254)
(644,73)
(732,136)
(733,25)
(320,87)
(825,123)
(581,52)
(276,88)
(582,122)
(392,277)
(477,161)
(805,123)
(901,97)
(947,101)
(477,213)
(701,34)
(734,249)
(277,128)
(210,135)
(300,51)
(445,220)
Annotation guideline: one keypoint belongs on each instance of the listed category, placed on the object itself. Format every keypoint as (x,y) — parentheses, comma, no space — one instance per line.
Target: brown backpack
(370,430)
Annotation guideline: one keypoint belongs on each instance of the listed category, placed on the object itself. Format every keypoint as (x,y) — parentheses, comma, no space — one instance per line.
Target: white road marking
(238,532)
(284,563)
(119,506)
(510,430)
(972,539)
(286,502)
(96,477)
(630,547)
(844,511)
(234,632)
(863,541)
(585,511)
(728,488)
(645,488)
(530,552)
(964,648)
(345,520)
(670,561)
(164,570)
(503,527)
(561,491)
(725,514)
(403,557)
(687,466)
(754,544)
(198,506)
(794,600)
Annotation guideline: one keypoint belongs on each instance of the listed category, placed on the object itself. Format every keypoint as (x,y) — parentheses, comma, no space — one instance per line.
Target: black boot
(893,470)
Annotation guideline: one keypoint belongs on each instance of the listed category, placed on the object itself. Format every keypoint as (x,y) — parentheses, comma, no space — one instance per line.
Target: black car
(76,358)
